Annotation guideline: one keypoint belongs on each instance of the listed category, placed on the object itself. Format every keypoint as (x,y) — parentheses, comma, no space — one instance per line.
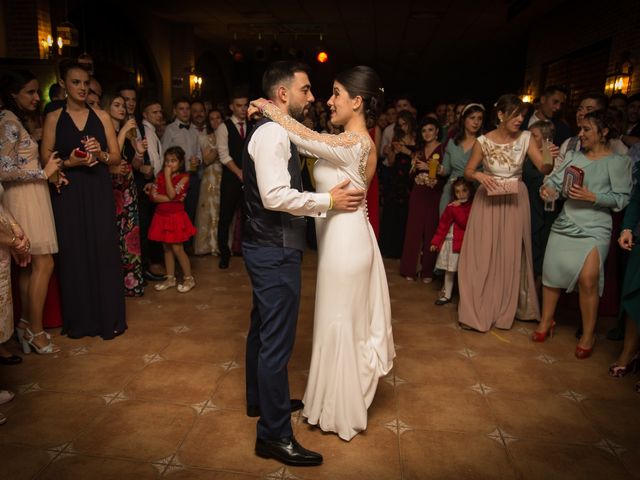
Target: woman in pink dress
(495,272)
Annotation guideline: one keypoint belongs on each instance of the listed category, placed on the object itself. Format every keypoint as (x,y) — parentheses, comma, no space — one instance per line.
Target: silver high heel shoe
(20,337)
(187,284)
(48,349)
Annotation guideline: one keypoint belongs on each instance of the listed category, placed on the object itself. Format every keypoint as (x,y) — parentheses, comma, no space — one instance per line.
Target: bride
(352,339)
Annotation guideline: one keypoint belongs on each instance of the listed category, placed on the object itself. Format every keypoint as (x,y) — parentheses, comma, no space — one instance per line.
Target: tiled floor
(166,400)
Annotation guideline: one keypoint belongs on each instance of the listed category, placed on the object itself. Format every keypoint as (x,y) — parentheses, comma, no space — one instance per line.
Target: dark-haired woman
(495,274)
(422,220)
(352,338)
(91,287)
(580,236)
(458,151)
(125,194)
(27,197)
(396,194)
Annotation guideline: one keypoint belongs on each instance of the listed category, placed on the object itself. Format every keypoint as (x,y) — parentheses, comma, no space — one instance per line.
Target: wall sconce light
(47,44)
(619,81)
(195,84)
(526,98)
(527,93)
(60,45)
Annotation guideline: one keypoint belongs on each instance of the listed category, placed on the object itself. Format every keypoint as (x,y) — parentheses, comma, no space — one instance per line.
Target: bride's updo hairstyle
(510,105)
(362,81)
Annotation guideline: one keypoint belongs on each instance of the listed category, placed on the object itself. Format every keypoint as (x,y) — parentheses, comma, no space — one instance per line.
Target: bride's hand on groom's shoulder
(256,107)
(344,199)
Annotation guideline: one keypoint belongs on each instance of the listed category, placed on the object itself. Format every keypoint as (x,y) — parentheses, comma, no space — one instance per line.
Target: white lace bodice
(504,160)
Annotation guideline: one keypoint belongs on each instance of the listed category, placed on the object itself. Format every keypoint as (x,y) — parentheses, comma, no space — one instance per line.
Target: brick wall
(26,23)
(555,38)
(43,17)
(182,57)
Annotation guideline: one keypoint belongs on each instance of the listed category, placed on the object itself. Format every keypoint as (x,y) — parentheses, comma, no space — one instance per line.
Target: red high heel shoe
(582,353)
(542,336)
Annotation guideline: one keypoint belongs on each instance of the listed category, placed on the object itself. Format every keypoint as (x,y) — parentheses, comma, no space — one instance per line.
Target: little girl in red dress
(450,233)
(170,224)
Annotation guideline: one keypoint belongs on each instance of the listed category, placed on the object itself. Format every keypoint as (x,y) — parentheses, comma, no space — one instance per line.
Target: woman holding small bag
(579,241)
(495,274)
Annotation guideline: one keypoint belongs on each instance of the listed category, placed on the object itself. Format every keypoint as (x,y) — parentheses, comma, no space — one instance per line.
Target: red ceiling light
(322,56)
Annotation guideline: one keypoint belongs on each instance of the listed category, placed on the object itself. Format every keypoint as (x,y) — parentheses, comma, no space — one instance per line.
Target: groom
(272,247)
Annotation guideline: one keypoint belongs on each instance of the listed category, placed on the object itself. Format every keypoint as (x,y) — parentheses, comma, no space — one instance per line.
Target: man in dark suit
(552,102)
(230,138)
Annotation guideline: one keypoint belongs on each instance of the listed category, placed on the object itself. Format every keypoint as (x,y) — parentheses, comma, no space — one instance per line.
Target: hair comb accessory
(381,89)
(479,105)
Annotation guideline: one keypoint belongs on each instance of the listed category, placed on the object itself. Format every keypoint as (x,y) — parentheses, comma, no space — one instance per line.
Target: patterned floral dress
(206,240)
(6,304)
(126,198)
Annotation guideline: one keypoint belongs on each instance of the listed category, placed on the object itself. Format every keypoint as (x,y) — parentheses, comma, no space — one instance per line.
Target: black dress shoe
(288,451)
(223,263)
(254,410)
(12,360)
(152,277)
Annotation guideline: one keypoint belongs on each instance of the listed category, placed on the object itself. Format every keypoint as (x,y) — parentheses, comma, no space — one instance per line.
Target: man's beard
(297,112)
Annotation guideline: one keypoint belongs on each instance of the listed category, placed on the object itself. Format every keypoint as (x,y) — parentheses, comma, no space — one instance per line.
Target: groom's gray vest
(268,227)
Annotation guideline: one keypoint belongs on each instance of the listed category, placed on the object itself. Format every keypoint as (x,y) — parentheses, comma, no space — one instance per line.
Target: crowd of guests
(459,191)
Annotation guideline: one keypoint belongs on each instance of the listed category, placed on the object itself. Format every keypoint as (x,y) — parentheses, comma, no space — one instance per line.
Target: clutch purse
(572,176)
(504,186)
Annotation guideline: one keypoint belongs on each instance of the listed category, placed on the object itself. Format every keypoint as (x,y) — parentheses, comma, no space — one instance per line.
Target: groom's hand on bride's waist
(345,199)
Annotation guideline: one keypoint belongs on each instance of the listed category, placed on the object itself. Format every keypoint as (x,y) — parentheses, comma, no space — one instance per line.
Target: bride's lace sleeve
(12,137)
(343,149)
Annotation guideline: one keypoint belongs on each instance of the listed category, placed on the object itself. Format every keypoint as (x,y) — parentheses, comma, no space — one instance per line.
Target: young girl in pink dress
(450,233)
(170,224)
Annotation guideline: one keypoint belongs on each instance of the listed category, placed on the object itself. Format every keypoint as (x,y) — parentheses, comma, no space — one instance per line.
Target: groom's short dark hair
(281,72)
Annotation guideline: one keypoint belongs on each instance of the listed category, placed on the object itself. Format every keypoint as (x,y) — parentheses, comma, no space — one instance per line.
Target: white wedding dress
(352,339)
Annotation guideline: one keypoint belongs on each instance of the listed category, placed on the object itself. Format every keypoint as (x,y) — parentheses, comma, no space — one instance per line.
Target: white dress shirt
(186,138)
(222,140)
(534,118)
(154,147)
(270,150)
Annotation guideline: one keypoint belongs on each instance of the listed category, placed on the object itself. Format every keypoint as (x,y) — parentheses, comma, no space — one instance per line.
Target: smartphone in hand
(80,153)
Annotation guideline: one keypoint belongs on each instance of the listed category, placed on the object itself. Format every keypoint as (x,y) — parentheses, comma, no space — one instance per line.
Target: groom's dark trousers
(275,278)
(272,248)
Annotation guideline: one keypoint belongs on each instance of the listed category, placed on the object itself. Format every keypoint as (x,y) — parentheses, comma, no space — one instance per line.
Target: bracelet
(626,230)
(13,240)
(330,202)
(106,157)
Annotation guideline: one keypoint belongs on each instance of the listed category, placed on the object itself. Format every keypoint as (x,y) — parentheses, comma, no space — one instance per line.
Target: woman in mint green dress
(580,236)
(459,148)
